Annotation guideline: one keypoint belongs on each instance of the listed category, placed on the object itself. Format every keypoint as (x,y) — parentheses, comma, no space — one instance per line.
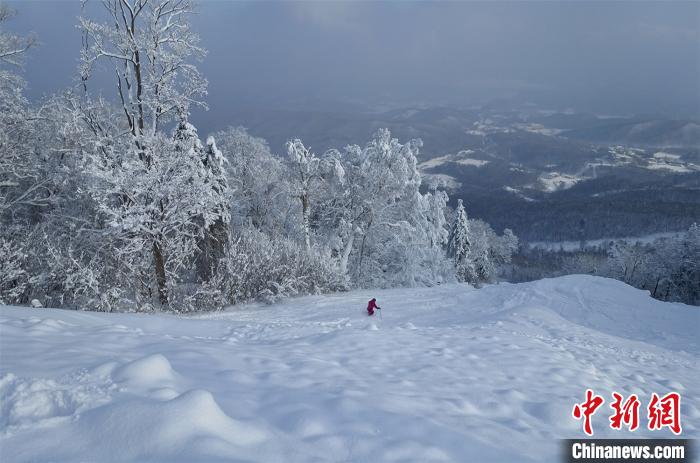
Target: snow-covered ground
(446,181)
(518,193)
(449,374)
(556,181)
(461,158)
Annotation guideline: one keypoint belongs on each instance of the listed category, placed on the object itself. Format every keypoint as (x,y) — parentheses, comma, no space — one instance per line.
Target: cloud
(328,14)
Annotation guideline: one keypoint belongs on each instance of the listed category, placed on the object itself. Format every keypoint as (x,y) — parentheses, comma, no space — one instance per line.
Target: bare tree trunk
(139,90)
(212,249)
(634,269)
(362,249)
(346,253)
(159,262)
(305,219)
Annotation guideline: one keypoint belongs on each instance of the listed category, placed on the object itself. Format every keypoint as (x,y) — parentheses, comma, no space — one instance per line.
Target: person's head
(374,300)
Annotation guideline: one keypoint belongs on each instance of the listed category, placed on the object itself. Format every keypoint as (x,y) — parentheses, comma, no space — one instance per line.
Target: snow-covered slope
(449,374)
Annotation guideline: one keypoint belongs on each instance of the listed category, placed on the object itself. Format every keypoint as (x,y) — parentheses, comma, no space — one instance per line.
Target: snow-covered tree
(12,47)
(158,195)
(164,209)
(435,220)
(459,245)
(478,253)
(378,224)
(427,262)
(688,276)
(218,231)
(216,216)
(669,267)
(484,267)
(503,247)
(259,267)
(151,46)
(627,262)
(306,172)
(13,276)
(259,183)
(24,186)
(120,206)
(490,252)
(19,182)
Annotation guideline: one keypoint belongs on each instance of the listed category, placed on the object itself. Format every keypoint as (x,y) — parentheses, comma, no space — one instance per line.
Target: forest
(111,200)
(119,204)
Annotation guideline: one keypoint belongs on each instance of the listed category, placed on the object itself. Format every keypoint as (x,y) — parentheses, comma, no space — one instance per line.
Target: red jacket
(371,305)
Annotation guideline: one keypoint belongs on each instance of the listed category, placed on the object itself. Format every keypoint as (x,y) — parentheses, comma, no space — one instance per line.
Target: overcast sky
(608,57)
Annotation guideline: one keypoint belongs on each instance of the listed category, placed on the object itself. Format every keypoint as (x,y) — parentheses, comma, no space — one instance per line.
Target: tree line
(121,205)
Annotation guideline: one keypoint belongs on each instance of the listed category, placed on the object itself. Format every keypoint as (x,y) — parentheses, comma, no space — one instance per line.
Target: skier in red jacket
(371,305)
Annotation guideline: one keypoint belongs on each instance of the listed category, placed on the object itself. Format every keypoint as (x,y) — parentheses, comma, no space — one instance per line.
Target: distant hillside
(641,132)
(538,172)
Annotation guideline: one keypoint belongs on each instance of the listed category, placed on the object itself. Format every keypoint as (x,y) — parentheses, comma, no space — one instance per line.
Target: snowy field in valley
(601,242)
(449,374)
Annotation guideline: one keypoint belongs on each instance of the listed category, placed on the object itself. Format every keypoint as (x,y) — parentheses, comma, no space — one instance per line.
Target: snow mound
(610,306)
(152,370)
(46,325)
(191,423)
(189,427)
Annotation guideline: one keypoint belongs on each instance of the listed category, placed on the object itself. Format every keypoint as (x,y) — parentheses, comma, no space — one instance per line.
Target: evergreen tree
(215,218)
(458,244)
(481,261)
